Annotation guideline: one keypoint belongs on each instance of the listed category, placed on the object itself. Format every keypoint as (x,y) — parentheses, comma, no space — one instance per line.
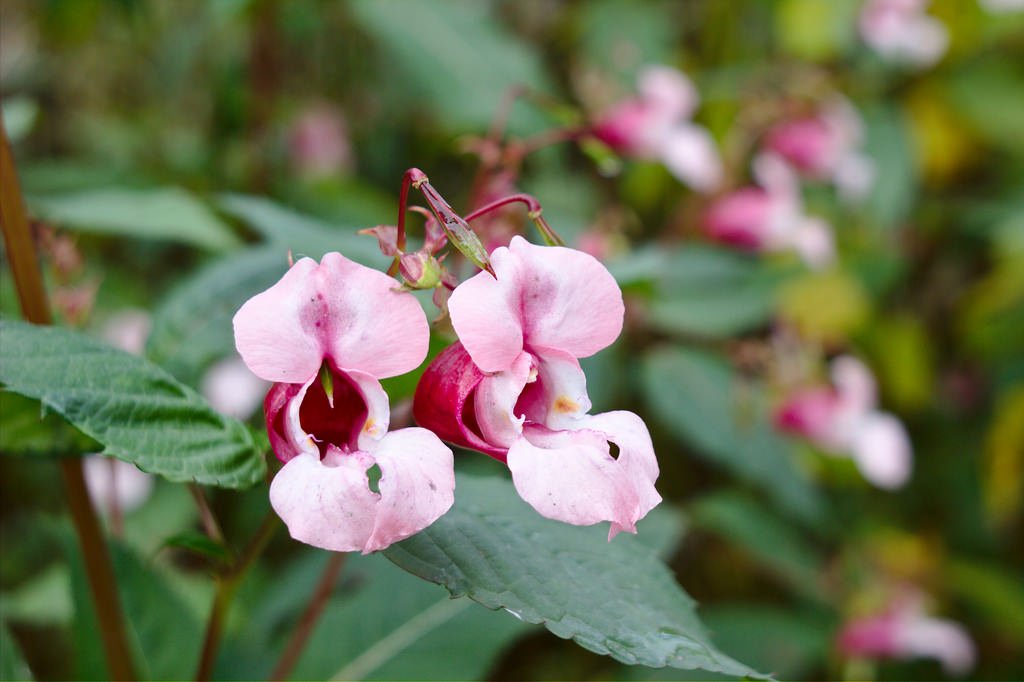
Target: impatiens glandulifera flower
(656,125)
(325,334)
(826,147)
(512,387)
(905,632)
(899,30)
(770,217)
(843,420)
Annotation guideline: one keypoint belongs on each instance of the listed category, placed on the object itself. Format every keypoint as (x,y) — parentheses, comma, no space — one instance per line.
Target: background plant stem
(28,281)
(304,628)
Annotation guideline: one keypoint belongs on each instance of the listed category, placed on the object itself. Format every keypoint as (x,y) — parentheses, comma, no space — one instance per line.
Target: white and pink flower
(656,125)
(512,387)
(325,334)
(770,216)
(826,146)
(904,631)
(844,420)
(901,31)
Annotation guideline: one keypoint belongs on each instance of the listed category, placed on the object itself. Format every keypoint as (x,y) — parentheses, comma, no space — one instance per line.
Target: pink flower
(318,142)
(770,217)
(513,387)
(113,484)
(843,420)
(325,334)
(904,631)
(231,388)
(899,30)
(825,147)
(656,125)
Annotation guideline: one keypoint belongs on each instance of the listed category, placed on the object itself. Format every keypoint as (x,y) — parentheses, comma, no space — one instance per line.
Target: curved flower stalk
(656,125)
(325,334)
(904,631)
(844,420)
(826,146)
(899,30)
(770,217)
(512,387)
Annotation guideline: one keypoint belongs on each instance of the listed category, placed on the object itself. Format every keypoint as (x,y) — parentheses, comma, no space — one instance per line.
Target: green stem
(28,281)
(309,617)
(225,592)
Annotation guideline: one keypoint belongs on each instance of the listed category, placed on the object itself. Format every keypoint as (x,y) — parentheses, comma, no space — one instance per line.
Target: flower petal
(854,383)
(331,507)
(338,310)
(559,397)
(495,401)
(444,401)
(544,296)
(668,90)
(882,451)
(571,476)
(417,485)
(689,153)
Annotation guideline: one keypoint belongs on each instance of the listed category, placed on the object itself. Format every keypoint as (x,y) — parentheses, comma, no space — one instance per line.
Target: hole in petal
(613,450)
(373,475)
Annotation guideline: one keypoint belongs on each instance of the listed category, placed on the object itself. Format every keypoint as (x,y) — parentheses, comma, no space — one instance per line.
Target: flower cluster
(511,387)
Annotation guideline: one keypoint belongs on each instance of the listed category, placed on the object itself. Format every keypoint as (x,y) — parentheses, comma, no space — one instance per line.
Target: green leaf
(423,633)
(702,291)
(137,411)
(453,56)
(698,398)
(192,324)
(622,37)
(199,543)
(165,635)
(27,429)
(896,179)
(612,598)
(164,213)
(12,664)
(304,235)
(770,540)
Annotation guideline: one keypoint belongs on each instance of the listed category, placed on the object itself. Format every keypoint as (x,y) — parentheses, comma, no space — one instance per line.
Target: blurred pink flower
(904,632)
(318,142)
(771,217)
(512,386)
(844,420)
(826,147)
(899,30)
(128,330)
(115,484)
(656,125)
(325,334)
(232,389)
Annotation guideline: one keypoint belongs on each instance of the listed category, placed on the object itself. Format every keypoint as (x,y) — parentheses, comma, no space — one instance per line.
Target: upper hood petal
(336,309)
(543,296)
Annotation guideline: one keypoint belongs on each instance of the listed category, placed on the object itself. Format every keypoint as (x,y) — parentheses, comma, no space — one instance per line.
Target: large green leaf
(192,324)
(614,598)
(12,664)
(701,290)
(775,544)
(163,213)
(699,399)
(304,235)
(165,635)
(453,56)
(137,411)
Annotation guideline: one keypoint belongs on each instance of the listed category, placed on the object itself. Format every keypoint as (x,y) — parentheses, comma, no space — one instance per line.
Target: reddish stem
(535,210)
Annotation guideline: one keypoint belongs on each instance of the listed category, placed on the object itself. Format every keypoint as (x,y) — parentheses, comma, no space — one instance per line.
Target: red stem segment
(28,281)
(535,214)
(309,617)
